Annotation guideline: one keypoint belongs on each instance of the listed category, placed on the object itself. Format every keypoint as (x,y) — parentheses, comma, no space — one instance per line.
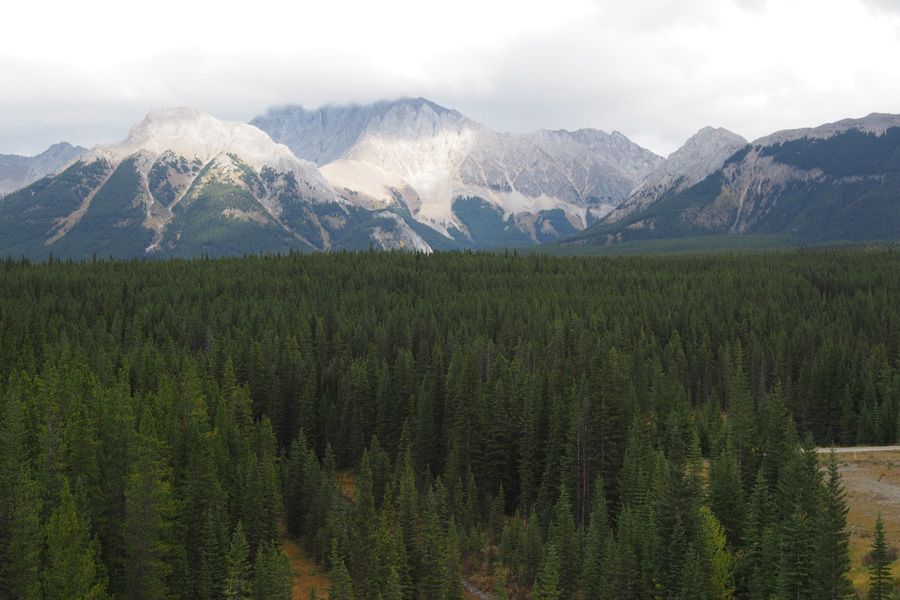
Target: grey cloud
(883,7)
(47,102)
(752,6)
(619,68)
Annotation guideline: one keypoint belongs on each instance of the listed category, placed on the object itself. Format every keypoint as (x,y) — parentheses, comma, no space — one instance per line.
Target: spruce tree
(595,564)
(239,584)
(341,584)
(726,494)
(272,576)
(500,592)
(21,567)
(548,585)
(880,581)
(71,556)
(147,529)
(834,542)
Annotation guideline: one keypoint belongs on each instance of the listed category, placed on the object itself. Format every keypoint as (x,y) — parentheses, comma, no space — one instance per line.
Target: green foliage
(852,152)
(880,580)
(152,411)
(551,225)
(486,226)
(113,224)
(30,216)
(71,556)
(239,580)
(202,228)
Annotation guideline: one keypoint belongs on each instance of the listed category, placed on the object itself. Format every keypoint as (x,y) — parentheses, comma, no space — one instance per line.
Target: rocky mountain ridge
(183,183)
(702,154)
(414,175)
(835,182)
(18,171)
(425,157)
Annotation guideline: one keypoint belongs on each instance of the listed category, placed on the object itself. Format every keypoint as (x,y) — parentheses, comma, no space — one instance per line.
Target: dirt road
(860,449)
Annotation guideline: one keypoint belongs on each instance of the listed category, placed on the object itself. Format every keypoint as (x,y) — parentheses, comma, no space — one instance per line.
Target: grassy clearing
(307,574)
(872,482)
(347,482)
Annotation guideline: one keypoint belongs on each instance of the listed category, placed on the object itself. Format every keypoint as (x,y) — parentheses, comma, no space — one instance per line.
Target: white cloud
(656,70)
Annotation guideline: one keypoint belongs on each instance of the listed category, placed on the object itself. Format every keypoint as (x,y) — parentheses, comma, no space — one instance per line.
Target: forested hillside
(541,420)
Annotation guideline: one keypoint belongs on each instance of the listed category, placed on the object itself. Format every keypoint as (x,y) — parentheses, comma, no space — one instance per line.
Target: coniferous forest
(595,428)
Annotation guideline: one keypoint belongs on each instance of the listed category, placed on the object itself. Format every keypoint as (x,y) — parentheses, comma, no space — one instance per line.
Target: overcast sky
(655,70)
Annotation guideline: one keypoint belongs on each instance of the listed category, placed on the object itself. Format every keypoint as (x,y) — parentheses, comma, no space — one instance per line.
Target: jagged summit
(328,133)
(705,152)
(834,183)
(427,157)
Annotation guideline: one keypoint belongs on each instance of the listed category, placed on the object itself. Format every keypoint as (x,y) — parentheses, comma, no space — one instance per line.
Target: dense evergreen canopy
(543,420)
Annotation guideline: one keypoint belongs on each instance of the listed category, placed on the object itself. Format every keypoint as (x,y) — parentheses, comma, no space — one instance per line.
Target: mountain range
(833,183)
(436,161)
(411,174)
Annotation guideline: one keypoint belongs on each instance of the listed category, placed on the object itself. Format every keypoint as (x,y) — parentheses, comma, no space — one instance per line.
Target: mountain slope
(701,155)
(427,158)
(840,181)
(183,184)
(18,171)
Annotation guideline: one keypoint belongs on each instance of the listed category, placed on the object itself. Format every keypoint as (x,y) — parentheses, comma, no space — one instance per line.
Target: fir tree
(239,583)
(548,585)
(834,544)
(341,584)
(148,525)
(21,567)
(71,568)
(880,580)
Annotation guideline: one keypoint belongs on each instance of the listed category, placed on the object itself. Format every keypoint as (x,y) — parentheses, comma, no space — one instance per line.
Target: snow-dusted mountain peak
(195,135)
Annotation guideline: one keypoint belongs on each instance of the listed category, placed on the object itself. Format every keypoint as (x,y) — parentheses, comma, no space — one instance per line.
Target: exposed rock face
(177,149)
(836,182)
(193,135)
(701,155)
(757,182)
(18,171)
(426,156)
(181,183)
(328,134)
(396,234)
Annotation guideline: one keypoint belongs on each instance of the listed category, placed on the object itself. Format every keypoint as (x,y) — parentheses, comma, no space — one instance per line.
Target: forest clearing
(872,483)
